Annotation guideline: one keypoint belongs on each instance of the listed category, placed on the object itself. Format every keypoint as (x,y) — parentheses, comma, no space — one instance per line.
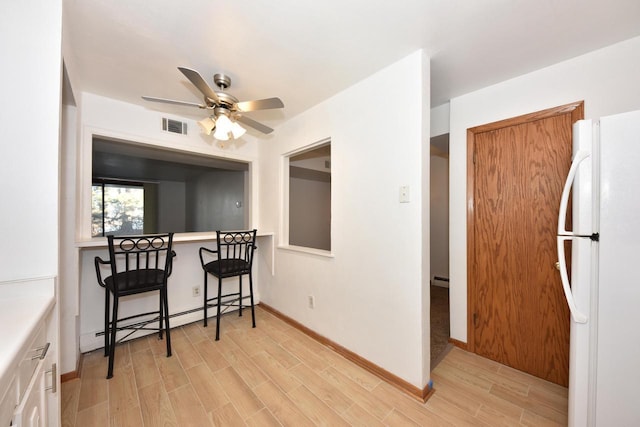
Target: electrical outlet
(312,301)
(195,291)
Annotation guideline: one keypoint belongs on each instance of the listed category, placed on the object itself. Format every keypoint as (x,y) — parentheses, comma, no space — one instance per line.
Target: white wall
(607,80)
(440,119)
(370,296)
(30,47)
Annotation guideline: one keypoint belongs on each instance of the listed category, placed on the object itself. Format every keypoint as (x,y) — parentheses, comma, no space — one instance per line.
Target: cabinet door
(32,410)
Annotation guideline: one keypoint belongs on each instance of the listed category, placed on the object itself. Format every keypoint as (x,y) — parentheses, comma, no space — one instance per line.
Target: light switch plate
(404,194)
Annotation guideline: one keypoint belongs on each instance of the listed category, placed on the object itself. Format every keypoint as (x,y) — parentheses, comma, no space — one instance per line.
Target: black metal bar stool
(233,258)
(137,264)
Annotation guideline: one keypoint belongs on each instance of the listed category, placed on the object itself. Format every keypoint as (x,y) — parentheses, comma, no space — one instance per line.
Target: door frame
(576,109)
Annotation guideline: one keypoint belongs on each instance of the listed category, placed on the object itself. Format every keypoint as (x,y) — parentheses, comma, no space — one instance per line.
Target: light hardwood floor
(276,375)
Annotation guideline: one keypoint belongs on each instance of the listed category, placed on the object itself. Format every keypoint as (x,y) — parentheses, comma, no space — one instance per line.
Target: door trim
(576,109)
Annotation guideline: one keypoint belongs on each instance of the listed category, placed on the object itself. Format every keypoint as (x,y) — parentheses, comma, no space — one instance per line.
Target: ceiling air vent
(174,126)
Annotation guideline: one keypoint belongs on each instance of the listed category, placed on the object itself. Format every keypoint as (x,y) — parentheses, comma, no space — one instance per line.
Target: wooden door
(517,312)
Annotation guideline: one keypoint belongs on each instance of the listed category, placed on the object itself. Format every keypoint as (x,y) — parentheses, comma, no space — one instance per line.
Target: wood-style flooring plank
(211,355)
(158,346)
(282,408)
(533,420)
(307,356)
(123,393)
(94,388)
(361,396)
(358,375)
(450,383)
(187,408)
(245,367)
(227,416)
(127,417)
(276,372)
(144,368)
(276,351)
(529,404)
(238,392)
(357,416)
(262,418)
(328,393)
(138,344)
(70,395)
(248,339)
(155,406)
(207,388)
(417,411)
(185,351)
(196,332)
(443,409)
(311,406)
(94,416)
(395,418)
(171,371)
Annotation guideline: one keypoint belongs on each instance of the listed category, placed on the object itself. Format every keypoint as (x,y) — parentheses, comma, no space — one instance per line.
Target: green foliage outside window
(116,209)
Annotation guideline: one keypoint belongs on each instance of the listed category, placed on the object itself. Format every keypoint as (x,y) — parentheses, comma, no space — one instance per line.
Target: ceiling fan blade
(172,101)
(256,125)
(197,80)
(260,104)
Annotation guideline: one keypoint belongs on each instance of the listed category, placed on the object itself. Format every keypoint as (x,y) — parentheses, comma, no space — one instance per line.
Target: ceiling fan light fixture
(207,125)
(220,135)
(237,130)
(223,127)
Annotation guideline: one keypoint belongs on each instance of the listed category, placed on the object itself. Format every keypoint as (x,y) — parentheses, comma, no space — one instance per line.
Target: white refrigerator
(603,285)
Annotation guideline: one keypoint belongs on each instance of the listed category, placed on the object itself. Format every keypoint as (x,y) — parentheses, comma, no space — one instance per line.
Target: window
(117,208)
(310,197)
(147,189)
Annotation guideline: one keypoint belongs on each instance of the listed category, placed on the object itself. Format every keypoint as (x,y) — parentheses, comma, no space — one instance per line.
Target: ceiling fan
(226,110)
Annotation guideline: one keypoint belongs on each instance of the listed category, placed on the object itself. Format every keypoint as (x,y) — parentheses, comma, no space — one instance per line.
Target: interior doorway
(439,241)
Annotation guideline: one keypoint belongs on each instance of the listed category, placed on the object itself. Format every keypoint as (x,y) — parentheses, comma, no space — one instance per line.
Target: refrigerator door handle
(580,156)
(564,277)
(564,235)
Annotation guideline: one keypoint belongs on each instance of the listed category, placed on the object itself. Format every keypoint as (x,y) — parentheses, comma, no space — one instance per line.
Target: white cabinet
(29,383)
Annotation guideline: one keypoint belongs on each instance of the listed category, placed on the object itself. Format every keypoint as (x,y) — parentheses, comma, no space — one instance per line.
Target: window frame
(285,220)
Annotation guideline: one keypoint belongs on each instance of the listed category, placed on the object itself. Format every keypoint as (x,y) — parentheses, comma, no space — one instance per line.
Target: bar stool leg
(240,301)
(218,308)
(163,296)
(253,314)
(114,328)
(107,309)
(205,299)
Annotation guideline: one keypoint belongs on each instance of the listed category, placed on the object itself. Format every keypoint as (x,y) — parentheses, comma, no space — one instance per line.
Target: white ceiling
(305,51)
